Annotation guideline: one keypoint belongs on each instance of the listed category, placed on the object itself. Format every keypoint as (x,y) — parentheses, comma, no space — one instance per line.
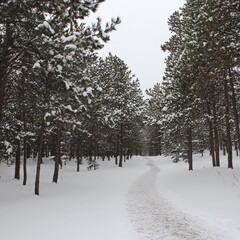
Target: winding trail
(154,218)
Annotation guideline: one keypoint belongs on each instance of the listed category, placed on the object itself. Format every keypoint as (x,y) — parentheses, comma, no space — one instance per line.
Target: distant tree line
(57,96)
(197,105)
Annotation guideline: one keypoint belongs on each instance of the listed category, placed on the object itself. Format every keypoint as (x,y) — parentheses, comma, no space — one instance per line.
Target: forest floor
(150,198)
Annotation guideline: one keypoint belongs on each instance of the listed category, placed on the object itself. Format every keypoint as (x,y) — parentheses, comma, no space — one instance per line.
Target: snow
(51,52)
(59,68)
(47,115)
(46,25)
(71,38)
(67,84)
(149,198)
(58,56)
(99,89)
(69,107)
(36,65)
(89,90)
(8,147)
(164,109)
(70,46)
(209,196)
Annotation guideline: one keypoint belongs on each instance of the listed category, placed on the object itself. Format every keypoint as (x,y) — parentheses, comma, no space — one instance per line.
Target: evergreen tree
(200,81)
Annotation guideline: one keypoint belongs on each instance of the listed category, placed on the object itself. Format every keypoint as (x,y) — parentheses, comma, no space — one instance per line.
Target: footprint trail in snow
(154,218)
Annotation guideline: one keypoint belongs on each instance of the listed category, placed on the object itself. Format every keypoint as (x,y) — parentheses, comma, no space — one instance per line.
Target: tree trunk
(190,157)
(57,156)
(24,145)
(224,150)
(39,161)
(24,160)
(121,146)
(117,151)
(90,150)
(18,161)
(235,111)
(216,137)
(28,150)
(228,127)
(211,135)
(236,148)
(79,154)
(160,145)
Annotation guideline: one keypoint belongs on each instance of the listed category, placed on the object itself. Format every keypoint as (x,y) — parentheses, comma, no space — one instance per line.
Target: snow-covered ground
(149,198)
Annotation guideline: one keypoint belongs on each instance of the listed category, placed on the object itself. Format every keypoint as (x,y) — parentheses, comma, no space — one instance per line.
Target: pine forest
(60,99)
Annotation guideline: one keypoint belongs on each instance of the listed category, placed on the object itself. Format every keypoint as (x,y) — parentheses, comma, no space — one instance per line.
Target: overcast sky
(138,38)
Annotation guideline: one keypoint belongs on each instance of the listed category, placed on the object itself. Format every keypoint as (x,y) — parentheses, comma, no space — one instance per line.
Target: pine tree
(202,49)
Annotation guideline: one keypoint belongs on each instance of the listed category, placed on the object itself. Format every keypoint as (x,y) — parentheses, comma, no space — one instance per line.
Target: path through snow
(154,218)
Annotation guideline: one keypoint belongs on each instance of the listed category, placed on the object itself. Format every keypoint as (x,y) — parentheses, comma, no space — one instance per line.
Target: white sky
(138,38)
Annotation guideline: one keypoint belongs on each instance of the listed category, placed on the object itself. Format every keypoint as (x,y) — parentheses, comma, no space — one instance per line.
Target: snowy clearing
(149,198)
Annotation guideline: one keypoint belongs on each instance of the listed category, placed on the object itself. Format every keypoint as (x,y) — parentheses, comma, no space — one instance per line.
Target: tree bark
(90,149)
(211,134)
(236,148)
(117,151)
(235,111)
(39,161)
(228,127)
(121,146)
(24,160)
(17,161)
(79,154)
(24,146)
(216,137)
(190,157)
(57,156)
